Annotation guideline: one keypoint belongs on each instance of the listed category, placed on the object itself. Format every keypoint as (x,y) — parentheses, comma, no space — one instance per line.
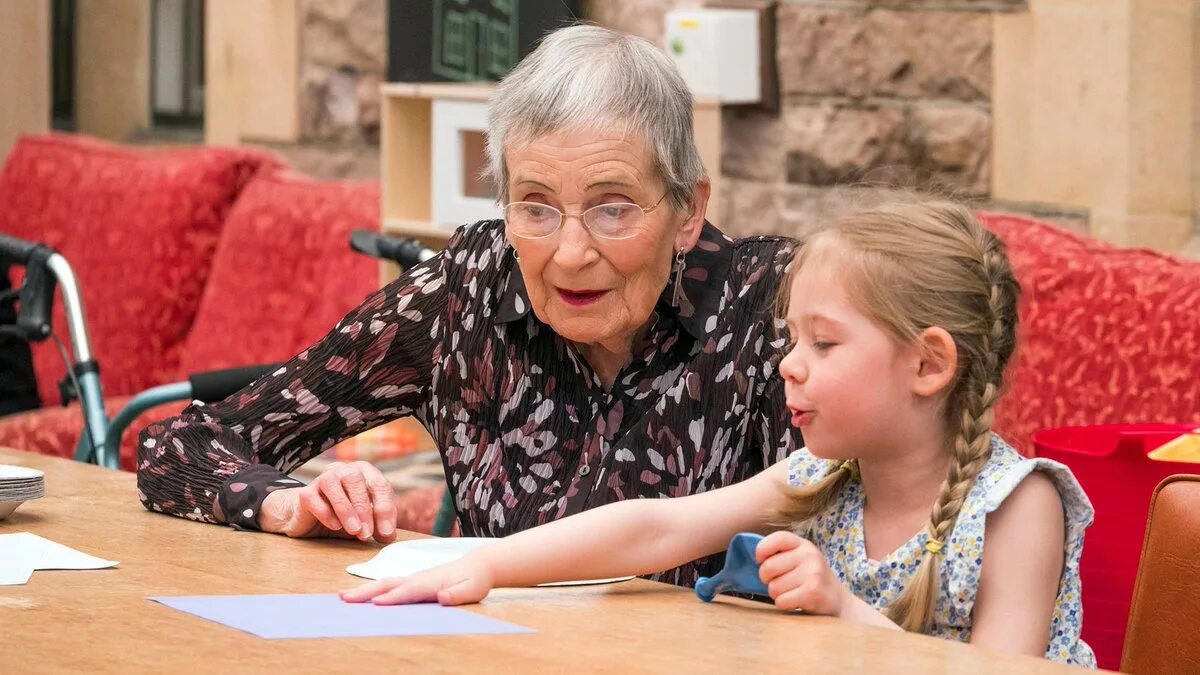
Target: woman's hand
(798,577)
(458,583)
(346,500)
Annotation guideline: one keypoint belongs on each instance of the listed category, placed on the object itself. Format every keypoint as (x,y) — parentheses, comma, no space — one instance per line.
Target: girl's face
(848,383)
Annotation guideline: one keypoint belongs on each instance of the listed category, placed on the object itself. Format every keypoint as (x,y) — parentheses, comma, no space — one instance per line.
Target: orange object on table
(387,441)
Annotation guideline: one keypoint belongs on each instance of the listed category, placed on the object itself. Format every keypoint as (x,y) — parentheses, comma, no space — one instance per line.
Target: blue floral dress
(838,532)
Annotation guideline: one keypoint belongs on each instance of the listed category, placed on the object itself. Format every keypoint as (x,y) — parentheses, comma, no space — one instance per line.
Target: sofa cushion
(1108,335)
(139,227)
(284,273)
(55,430)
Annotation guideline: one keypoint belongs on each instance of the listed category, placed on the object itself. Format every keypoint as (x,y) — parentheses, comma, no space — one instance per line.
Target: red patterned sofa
(169,243)
(1108,335)
(140,228)
(189,259)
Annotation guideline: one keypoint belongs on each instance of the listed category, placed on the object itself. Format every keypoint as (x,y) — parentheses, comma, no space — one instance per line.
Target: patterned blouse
(527,432)
(838,532)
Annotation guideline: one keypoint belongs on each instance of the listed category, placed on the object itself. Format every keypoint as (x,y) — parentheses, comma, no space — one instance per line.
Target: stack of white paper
(23,552)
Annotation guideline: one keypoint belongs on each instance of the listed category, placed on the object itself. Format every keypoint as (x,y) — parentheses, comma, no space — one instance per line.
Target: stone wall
(1192,249)
(342,61)
(890,92)
(873,91)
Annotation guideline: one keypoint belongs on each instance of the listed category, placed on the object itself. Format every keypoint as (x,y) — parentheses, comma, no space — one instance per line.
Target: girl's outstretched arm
(637,536)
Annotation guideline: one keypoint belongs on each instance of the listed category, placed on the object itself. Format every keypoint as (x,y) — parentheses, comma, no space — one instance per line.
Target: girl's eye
(822,346)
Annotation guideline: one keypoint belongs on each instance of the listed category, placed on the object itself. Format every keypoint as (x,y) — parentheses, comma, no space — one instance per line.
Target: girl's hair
(909,267)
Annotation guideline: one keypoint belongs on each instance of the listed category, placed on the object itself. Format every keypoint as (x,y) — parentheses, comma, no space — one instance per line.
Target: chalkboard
(467,40)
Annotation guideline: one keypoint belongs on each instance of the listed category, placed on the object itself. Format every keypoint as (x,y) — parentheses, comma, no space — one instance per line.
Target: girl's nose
(792,366)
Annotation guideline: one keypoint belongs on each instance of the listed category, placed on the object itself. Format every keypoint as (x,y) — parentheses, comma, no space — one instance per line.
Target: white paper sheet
(23,552)
(17,562)
(406,558)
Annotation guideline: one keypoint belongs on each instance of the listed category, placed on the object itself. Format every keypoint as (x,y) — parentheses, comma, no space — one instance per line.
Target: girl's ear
(938,362)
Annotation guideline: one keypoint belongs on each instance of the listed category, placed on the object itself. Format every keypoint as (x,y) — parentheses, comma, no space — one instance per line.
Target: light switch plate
(716,51)
(768,77)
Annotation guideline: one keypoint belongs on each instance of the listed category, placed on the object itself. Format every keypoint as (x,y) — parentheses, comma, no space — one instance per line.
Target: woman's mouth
(580,298)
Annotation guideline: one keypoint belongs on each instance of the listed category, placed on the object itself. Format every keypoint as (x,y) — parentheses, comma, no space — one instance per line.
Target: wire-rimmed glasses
(534,220)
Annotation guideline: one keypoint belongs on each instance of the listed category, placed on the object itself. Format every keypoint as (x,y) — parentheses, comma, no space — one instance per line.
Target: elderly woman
(602,342)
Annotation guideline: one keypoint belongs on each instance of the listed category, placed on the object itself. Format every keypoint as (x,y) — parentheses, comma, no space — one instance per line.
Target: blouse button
(584,470)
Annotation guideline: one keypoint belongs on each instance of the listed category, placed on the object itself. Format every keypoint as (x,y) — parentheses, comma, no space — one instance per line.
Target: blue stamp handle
(740,574)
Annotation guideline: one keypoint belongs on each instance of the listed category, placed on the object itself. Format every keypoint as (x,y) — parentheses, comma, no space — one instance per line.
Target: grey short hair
(586,76)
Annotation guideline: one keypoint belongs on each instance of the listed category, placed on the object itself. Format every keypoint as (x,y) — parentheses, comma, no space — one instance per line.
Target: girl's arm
(1022,566)
(858,611)
(633,537)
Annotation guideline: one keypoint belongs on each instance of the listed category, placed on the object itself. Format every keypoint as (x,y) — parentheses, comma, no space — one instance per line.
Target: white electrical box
(717,50)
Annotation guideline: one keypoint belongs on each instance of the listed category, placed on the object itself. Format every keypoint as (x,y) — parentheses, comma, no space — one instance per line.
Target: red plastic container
(1111,464)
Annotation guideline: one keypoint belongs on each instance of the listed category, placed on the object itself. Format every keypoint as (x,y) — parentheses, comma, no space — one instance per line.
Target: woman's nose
(575,245)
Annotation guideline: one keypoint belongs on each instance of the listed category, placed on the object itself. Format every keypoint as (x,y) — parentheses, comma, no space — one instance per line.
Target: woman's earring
(515,256)
(678,277)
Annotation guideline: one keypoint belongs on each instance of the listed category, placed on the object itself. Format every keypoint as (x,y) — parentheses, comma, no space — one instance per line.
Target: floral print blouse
(527,432)
(838,532)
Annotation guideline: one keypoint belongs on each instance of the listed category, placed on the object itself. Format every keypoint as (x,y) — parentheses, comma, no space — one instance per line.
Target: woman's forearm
(632,537)
(183,462)
(218,461)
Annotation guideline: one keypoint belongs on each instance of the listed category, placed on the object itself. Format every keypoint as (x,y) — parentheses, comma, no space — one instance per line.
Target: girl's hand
(797,576)
(458,583)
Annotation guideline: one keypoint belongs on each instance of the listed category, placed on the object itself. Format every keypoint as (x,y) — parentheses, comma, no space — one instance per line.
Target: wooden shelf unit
(406,156)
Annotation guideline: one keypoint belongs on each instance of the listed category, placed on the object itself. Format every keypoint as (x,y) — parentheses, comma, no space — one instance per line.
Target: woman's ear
(938,362)
(690,229)
(512,243)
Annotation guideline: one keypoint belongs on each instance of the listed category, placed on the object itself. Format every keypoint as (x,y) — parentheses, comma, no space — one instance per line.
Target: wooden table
(100,621)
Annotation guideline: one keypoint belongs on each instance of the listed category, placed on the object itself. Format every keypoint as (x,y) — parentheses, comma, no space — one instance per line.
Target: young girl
(903,319)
